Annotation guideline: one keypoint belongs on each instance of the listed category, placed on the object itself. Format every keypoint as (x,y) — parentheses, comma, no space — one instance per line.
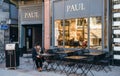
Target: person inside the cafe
(37,58)
(84,44)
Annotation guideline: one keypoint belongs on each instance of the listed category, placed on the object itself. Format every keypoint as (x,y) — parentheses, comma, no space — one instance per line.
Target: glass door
(28,38)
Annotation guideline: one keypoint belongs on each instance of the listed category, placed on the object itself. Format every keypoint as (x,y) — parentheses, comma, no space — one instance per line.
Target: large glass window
(58,33)
(71,33)
(95,33)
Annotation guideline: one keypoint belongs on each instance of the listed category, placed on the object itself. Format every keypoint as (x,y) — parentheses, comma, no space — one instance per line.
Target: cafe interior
(78,30)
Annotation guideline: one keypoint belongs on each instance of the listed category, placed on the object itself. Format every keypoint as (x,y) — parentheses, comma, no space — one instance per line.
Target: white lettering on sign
(31,15)
(75,7)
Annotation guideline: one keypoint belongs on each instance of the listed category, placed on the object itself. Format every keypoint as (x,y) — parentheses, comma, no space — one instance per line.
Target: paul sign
(75,7)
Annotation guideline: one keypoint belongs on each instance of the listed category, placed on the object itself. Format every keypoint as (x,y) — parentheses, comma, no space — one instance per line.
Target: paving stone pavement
(26,69)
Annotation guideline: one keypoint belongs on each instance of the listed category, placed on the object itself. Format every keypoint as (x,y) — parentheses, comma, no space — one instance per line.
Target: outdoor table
(65,51)
(46,54)
(75,57)
(94,53)
(97,56)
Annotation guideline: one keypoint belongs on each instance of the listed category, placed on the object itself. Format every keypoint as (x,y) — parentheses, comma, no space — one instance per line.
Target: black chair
(60,61)
(34,65)
(85,50)
(51,60)
(54,61)
(78,52)
(59,49)
(105,63)
(76,43)
(71,42)
(86,65)
(63,65)
(51,51)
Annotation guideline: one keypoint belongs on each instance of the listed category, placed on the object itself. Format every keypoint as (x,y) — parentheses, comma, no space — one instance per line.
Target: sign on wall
(77,8)
(31,14)
(4,27)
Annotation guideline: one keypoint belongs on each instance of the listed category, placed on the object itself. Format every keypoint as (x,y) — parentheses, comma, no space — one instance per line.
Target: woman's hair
(37,43)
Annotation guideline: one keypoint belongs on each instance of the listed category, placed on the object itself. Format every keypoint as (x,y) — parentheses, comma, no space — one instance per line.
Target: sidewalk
(4,72)
(26,69)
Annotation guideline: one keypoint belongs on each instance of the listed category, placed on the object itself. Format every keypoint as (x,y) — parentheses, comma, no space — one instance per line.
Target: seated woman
(36,51)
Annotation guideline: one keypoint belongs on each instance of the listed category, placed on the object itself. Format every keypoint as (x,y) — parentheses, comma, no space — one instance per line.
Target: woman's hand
(38,56)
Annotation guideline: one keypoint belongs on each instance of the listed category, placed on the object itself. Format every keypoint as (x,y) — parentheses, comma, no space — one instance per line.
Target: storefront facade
(68,23)
(34,23)
(30,24)
(81,20)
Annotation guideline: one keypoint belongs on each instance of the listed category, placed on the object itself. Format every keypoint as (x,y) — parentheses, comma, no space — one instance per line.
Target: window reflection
(58,33)
(95,33)
(73,32)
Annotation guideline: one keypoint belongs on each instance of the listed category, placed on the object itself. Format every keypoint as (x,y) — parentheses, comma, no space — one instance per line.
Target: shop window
(95,32)
(72,33)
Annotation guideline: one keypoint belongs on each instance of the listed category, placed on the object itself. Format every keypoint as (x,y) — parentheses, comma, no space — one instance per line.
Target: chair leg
(34,65)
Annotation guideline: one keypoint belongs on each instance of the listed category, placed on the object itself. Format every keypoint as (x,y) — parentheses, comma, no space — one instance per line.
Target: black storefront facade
(30,26)
(82,20)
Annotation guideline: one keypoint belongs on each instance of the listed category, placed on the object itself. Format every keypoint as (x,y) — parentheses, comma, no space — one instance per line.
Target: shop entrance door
(33,34)
(28,37)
